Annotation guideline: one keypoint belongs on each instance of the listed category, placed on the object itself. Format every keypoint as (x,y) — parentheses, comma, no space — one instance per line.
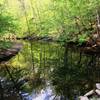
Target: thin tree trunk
(25,13)
(98,22)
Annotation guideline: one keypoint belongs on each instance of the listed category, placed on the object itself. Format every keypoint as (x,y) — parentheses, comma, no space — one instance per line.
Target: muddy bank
(6,54)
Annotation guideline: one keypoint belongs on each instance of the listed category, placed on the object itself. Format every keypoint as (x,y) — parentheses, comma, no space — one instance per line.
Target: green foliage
(7,24)
(82,38)
(63,19)
(69,18)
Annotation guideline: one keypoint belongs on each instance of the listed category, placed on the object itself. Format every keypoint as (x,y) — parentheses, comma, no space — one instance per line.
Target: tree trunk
(98,22)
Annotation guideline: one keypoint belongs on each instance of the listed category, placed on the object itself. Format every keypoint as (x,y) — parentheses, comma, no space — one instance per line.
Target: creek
(49,71)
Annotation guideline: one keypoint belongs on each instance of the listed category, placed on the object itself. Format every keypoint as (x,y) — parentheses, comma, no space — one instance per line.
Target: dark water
(49,71)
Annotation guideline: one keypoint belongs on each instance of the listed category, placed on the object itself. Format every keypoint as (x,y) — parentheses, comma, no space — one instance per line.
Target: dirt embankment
(8,53)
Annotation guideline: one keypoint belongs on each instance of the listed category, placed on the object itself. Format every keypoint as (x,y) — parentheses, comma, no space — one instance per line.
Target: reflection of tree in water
(76,75)
(23,70)
(13,80)
(70,72)
(10,84)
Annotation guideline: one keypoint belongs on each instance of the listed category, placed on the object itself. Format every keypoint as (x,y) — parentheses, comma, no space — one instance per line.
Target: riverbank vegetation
(64,20)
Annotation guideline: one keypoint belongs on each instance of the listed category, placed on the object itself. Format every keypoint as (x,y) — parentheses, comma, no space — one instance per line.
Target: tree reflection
(76,75)
(69,72)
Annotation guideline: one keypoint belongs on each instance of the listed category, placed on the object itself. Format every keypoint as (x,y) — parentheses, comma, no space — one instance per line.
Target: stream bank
(7,53)
(91,46)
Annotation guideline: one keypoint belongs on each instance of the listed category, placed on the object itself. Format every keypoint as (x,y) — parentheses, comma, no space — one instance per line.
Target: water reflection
(51,72)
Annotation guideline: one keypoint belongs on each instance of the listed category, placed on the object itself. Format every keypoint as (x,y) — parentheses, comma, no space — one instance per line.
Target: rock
(89,93)
(98,86)
(97,91)
(83,98)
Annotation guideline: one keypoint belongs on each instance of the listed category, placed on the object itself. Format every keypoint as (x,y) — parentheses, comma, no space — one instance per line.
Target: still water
(49,71)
